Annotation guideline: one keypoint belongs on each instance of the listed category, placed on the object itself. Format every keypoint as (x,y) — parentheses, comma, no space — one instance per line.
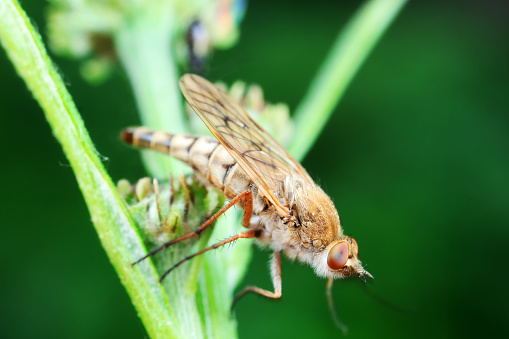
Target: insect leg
(245,235)
(276,281)
(203,226)
(248,208)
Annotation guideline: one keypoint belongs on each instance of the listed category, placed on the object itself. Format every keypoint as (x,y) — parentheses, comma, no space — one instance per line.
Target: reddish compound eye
(338,256)
(355,246)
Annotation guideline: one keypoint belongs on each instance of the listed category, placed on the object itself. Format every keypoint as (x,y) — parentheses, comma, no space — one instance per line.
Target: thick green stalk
(348,53)
(109,214)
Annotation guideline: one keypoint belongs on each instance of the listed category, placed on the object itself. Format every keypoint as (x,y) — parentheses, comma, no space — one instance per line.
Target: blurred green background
(415,158)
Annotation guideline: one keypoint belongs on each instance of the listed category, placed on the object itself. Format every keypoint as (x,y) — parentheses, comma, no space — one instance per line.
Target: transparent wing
(263,159)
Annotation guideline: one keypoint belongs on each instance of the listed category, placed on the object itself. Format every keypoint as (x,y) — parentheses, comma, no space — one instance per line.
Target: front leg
(275,268)
(247,195)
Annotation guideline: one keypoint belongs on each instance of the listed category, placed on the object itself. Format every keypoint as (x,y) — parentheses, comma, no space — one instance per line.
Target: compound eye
(355,246)
(338,256)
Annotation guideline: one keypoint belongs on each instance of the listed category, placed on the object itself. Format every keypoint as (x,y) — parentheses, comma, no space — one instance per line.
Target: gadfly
(283,208)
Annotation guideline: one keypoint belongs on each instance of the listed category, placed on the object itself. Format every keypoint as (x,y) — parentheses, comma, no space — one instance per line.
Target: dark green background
(415,158)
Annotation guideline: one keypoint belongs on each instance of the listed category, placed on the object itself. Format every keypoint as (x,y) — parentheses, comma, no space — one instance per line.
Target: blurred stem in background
(348,53)
(144,48)
(146,38)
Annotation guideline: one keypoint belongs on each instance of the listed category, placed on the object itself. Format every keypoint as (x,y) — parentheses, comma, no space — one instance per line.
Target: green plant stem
(109,214)
(144,46)
(348,53)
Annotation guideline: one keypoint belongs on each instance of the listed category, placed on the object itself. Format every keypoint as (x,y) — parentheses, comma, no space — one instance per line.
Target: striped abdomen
(204,154)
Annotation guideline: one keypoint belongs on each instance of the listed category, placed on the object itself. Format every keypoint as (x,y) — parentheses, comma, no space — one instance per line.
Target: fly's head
(341,259)
(323,245)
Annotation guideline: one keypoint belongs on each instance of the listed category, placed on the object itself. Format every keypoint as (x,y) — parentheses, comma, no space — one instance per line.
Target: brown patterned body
(208,158)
